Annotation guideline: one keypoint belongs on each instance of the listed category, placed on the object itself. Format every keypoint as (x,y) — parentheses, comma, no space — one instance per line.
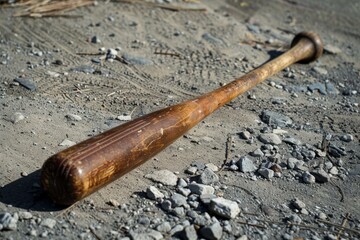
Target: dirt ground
(199,51)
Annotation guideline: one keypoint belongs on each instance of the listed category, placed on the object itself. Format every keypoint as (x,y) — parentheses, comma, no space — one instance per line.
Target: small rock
(292,141)
(206,198)
(8,222)
(270,138)
(114,203)
(257,153)
(322,216)
(17,117)
(124,117)
(208,177)
(67,143)
(26,83)
(320,175)
(191,170)
(95,39)
(347,138)
(245,135)
(275,119)
(184,191)
(177,229)
(294,218)
(212,166)
(201,189)
(148,235)
(153,193)
(182,183)
(136,60)
(166,205)
(179,211)
(164,227)
(73,117)
(334,171)
(178,200)
(84,69)
(294,163)
(211,39)
(48,222)
(308,178)
(243,237)
(298,204)
(320,70)
(266,173)
(163,176)
(224,208)
(212,232)
(318,87)
(25,215)
(189,233)
(332,49)
(246,165)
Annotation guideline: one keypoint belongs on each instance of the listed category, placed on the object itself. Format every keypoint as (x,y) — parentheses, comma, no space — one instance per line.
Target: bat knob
(315,40)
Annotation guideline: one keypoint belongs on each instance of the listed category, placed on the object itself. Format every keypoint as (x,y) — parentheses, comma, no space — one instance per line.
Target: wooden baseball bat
(80,170)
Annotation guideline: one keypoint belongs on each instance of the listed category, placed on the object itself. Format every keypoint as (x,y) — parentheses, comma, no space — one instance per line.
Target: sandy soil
(205,62)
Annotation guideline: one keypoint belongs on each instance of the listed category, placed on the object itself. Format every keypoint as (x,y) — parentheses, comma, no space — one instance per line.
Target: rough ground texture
(278,196)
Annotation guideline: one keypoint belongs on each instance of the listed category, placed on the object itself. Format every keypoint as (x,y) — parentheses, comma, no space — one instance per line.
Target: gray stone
(294,218)
(25,215)
(330,88)
(212,166)
(308,154)
(154,193)
(17,117)
(298,204)
(48,222)
(224,208)
(166,205)
(320,70)
(26,83)
(182,183)
(184,191)
(233,167)
(189,233)
(246,165)
(208,177)
(266,173)
(308,178)
(334,171)
(177,229)
(292,141)
(136,60)
(212,232)
(245,135)
(294,163)
(73,117)
(322,216)
(206,198)
(320,176)
(270,138)
(164,227)
(113,202)
(257,153)
(163,176)
(179,211)
(212,39)
(243,237)
(318,87)
(67,143)
(8,222)
(191,170)
(201,189)
(178,200)
(84,69)
(347,138)
(332,49)
(148,235)
(275,119)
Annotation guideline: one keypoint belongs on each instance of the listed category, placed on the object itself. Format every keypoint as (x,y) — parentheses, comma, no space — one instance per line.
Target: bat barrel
(80,170)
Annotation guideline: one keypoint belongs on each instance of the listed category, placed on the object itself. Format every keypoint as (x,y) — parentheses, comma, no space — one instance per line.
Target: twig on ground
(339,226)
(227,150)
(343,224)
(164,6)
(340,191)
(252,224)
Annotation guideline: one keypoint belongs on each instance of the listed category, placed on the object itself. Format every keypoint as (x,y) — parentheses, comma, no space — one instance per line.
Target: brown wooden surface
(80,170)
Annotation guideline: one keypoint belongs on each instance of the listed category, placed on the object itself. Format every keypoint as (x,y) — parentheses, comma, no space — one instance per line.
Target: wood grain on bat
(80,170)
